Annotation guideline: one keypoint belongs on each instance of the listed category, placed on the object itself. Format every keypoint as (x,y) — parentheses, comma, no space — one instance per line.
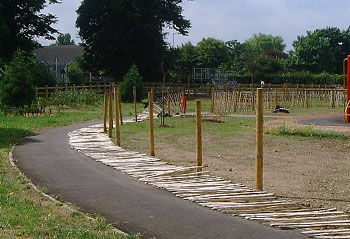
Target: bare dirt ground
(311,171)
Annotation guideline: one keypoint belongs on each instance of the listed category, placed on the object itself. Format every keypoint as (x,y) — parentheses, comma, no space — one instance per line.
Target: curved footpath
(132,206)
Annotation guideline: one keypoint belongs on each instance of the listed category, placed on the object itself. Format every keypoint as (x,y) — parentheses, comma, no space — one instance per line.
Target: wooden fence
(228,99)
(244,99)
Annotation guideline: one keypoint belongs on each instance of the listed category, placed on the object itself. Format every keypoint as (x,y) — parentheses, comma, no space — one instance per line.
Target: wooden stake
(117,129)
(151,124)
(259,139)
(199,133)
(120,108)
(46,92)
(276,97)
(110,118)
(183,100)
(234,101)
(36,92)
(212,100)
(135,107)
(306,99)
(169,101)
(105,112)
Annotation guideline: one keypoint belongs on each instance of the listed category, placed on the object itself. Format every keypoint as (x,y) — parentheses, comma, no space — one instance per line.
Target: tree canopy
(20,22)
(119,33)
(64,40)
(321,50)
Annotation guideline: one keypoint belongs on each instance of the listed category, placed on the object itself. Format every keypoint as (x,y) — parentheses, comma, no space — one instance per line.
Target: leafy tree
(321,50)
(74,74)
(41,75)
(20,23)
(119,33)
(64,40)
(211,53)
(131,79)
(186,60)
(266,43)
(16,85)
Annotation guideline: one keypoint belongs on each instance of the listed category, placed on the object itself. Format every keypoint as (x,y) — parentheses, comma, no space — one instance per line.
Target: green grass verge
(288,129)
(25,214)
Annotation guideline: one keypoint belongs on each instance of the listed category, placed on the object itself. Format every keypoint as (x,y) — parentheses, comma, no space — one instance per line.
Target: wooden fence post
(276,97)
(259,138)
(306,98)
(333,98)
(56,89)
(234,100)
(105,113)
(117,129)
(120,108)
(46,92)
(253,98)
(169,102)
(199,133)
(110,119)
(212,100)
(151,125)
(36,92)
(135,106)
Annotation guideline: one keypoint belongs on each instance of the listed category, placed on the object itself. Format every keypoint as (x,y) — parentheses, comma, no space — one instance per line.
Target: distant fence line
(201,90)
(224,101)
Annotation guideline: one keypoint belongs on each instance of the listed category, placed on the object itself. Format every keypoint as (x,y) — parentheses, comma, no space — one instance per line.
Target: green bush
(74,74)
(131,79)
(16,84)
(42,76)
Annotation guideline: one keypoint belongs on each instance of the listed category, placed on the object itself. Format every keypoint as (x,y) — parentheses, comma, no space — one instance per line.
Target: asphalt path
(325,121)
(133,207)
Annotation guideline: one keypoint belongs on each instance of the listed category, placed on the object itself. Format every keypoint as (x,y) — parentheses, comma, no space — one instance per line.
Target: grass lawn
(24,213)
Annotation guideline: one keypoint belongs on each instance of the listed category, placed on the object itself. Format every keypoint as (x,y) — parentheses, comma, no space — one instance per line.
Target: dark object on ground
(165,115)
(145,104)
(279,108)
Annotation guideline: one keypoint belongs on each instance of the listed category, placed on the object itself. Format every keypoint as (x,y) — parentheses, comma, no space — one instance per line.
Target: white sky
(237,19)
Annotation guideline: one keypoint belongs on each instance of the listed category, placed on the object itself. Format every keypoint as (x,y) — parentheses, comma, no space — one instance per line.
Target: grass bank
(24,213)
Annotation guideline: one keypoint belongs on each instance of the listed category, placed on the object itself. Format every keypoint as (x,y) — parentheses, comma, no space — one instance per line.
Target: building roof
(64,54)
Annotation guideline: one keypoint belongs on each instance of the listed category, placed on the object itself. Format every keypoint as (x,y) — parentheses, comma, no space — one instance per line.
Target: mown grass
(180,128)
(24,213)
(288,129)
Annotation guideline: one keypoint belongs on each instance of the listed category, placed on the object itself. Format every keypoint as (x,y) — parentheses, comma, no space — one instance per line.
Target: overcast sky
(237,19)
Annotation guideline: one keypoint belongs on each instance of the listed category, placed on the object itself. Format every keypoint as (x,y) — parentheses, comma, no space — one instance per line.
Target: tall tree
(64,40)
(212,53)
(267,43)
(321,50)
(118,33)
(20,23)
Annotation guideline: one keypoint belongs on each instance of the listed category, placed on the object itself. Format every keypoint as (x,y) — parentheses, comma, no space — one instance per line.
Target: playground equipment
(219,78)
(347,86)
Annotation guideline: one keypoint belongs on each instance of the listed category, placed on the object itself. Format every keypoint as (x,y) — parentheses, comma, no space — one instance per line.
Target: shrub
(74,74)
(16,84)
(42,76)
(131,79)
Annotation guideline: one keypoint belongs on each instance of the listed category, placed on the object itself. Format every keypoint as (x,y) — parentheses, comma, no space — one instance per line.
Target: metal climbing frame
(206,75)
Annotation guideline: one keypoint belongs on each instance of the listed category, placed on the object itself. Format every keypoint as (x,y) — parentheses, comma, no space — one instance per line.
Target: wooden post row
(151,126)
(105,112)
(110,118)
(117,129)
(259,138)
